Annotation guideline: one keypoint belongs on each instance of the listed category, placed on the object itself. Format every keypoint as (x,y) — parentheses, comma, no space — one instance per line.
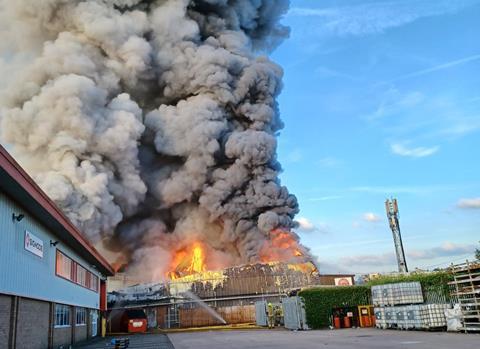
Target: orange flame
(198,260)
(187,261)
(282,246)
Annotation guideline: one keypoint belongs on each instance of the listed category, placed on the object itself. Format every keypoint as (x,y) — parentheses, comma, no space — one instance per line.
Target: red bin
(336,323)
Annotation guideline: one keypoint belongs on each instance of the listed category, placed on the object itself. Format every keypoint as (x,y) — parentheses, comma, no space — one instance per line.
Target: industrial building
(231,293)
(52,280)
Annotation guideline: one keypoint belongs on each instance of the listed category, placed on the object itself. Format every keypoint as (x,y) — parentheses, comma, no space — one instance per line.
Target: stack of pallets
(466,291)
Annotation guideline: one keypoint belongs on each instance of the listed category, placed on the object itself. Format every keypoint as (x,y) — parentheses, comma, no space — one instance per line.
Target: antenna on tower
(393,216)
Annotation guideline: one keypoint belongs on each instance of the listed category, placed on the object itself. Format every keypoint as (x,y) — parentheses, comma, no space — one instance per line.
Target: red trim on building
(15,171)
(103,295)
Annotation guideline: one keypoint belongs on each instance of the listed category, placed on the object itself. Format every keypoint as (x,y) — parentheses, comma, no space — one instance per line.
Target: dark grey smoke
(152,124)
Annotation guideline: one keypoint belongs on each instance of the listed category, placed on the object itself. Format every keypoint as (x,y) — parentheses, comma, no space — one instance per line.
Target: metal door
(172,317)
(94,322)
(261,313)
(294,313)
(152,317)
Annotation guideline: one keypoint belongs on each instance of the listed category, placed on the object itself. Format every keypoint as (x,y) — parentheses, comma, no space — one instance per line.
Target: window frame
(59,267)
(91,279)
(81,271)
(63,312)
(83,316)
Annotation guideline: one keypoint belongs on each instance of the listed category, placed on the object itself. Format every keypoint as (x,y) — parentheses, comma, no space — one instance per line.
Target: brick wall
(32,324)
(5,305)
(62,336)
(80,333)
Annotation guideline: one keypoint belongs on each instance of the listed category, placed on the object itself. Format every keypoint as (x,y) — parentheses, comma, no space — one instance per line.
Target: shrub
(427,280)
(319,302)
(434,285)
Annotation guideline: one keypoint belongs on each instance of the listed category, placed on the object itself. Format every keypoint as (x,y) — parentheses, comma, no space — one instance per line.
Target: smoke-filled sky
(155,124)
(383,98)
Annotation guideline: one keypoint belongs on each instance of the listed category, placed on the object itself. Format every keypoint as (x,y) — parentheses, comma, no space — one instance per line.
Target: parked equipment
(128,320)
(366,315)
(120,343)
(345,317)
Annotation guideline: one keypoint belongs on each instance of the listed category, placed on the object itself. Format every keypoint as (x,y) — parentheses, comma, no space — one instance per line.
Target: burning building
(230,294)
(196,296)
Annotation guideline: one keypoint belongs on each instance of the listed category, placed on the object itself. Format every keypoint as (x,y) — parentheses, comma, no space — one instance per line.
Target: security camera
(17,218)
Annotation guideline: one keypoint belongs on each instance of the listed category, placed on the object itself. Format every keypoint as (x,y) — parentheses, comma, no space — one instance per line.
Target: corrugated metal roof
(16,183)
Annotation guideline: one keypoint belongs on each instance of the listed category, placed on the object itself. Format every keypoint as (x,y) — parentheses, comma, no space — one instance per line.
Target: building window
(62,315)
(64,266)
(93,282)
(81,276)
(69,269)
(81,316)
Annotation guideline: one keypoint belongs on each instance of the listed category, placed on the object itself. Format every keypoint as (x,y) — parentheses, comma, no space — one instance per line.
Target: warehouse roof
(16,183)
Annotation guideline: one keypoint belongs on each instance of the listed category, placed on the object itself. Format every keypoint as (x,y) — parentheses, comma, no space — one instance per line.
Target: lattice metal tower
(392,214)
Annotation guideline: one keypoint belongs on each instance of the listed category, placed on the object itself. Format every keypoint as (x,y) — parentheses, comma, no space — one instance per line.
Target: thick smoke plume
(152,124)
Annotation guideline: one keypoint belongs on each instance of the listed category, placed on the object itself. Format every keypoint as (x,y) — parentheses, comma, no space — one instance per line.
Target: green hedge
(435,285)
(320,301)
(435,279)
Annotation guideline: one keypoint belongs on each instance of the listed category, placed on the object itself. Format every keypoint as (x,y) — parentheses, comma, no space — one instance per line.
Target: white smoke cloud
(151,124)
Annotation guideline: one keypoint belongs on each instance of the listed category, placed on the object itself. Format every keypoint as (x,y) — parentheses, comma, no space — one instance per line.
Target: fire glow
(282,246)
(190,260)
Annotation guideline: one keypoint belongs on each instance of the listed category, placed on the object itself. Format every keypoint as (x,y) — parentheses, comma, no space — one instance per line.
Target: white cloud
(439,118)
(307,226)
(447,249)
(329,267)
(376,260)
(371,217)
(376,17)
(438,67)
(471,203)
(393,102)
(415,152)
(461,128)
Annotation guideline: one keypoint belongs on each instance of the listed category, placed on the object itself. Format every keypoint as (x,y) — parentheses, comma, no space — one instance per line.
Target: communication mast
(392,214)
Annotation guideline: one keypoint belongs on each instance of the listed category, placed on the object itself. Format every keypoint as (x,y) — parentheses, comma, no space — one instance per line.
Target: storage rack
(466,289)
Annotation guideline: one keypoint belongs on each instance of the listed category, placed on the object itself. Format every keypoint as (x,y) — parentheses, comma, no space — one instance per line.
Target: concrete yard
(139,341)
(283,339)
(343,339)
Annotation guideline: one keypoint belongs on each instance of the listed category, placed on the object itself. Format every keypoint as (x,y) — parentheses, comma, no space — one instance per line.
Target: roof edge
(16,172)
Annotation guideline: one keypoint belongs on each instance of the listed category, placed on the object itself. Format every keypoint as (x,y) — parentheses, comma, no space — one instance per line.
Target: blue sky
(382,99)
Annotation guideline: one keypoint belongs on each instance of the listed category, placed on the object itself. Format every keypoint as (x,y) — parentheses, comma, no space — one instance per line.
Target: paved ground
(343,339)
(139,341)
